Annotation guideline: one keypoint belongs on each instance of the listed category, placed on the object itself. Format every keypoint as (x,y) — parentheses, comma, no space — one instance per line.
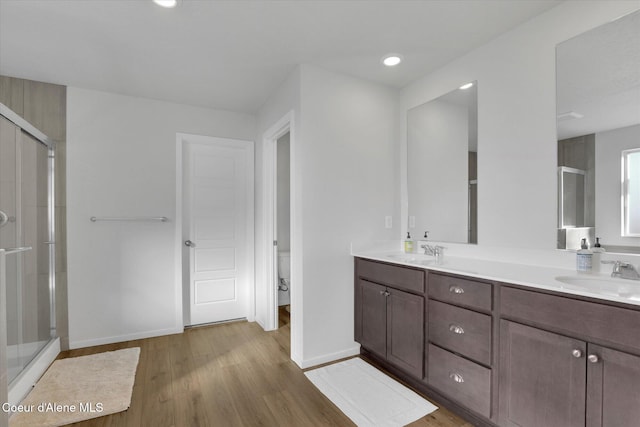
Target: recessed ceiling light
(466,86)
(166,3)
(392,60)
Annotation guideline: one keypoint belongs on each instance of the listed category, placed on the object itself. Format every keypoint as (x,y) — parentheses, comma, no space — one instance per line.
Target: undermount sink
(413,258)
(602,285)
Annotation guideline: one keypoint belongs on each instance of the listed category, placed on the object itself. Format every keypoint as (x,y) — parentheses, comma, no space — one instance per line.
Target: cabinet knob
(593,358)
(456,329)
(382,292)
(385,293)
(577,353)
(456,289)
(456,377)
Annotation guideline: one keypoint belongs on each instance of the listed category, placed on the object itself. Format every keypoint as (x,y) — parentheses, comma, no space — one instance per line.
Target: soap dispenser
(584,258)
(596,259)
(408,244)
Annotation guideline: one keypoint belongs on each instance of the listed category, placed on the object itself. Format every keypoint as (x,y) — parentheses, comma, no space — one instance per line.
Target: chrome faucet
(435,251)
(623,270)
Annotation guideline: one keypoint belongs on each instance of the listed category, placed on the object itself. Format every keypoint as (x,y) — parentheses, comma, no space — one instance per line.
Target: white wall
(438,168)
(609,147)
(516,121)
(122,162)
(347,149)
(344,180)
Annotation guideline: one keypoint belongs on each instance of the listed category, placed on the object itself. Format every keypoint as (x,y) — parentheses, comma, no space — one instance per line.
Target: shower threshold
(24,382)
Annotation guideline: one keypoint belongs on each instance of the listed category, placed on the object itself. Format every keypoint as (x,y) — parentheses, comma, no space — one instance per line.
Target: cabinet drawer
(587,320)
(462,380)
(461,330)
(399,277)
(460,291)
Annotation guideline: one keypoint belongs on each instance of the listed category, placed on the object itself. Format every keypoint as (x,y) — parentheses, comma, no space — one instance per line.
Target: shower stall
(27,255)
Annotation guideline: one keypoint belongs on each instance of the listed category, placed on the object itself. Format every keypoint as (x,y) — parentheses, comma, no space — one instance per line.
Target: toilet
(284,278)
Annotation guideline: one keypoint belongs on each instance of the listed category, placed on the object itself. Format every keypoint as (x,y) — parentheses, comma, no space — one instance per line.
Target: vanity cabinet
(389,321)
(554,368)
(613,388)
(459,353)
(542,382)
(371,318)
(500,354)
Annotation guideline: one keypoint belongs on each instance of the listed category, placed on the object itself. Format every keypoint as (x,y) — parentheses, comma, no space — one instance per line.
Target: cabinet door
(542,381)
(613,388)
(371,324)
(405,331)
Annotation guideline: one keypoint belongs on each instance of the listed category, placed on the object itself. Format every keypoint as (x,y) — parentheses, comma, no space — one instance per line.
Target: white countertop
(594,285)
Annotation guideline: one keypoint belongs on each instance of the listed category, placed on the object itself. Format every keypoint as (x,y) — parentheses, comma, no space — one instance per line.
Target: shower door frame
(22,383)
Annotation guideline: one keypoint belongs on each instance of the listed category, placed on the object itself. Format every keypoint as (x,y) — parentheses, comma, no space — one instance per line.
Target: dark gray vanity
(501,354)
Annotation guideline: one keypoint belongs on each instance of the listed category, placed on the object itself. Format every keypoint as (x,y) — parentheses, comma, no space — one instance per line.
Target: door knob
(189,243)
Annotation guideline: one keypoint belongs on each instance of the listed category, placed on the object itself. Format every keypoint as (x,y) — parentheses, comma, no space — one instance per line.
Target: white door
(217,228)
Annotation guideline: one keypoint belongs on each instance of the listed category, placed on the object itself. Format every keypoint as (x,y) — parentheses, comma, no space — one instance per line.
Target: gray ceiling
(233,54)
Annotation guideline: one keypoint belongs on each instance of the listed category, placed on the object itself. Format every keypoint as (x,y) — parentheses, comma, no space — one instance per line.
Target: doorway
(267,308)
(216,228)
(283,227)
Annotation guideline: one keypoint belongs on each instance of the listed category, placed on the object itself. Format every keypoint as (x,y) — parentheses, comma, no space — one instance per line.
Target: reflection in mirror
(598,118)
(631,192)
(442,146)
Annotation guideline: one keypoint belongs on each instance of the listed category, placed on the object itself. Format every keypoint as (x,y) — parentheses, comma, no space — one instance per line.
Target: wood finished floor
(232,374)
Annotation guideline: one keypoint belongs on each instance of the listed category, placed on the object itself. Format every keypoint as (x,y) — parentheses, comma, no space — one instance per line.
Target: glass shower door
(25,213)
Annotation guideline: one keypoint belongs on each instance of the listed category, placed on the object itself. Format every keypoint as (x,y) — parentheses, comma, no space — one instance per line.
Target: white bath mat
(367,396)
(80,388)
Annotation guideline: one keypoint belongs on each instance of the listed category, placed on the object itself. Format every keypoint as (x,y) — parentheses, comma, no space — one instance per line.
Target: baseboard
(22,385)
(326,358)
(121,338)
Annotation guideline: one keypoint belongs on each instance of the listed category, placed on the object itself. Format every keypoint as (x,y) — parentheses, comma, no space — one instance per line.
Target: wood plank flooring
(232,374)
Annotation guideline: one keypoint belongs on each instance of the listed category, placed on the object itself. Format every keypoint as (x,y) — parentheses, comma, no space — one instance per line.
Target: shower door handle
(4,219)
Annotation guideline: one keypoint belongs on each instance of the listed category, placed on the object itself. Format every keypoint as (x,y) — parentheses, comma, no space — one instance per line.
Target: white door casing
(218,223)
(267,279)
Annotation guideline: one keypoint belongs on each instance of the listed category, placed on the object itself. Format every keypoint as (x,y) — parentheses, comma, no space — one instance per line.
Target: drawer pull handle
(576,353)
(456,290)
(593,358)
(456,329)
(456,377)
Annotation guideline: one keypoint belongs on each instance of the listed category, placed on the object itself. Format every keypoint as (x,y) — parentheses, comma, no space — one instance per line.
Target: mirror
(442,185)
(598,120)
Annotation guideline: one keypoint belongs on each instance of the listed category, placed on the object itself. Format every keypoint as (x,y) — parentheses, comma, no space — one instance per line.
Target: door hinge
(275,243)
